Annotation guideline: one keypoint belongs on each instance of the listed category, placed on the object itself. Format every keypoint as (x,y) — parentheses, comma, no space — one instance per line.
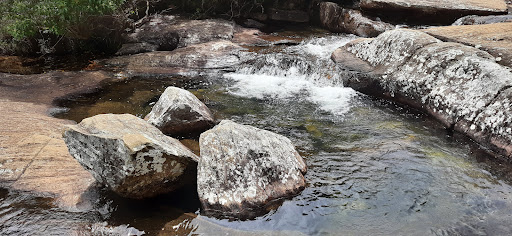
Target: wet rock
(103,229)
(179,112)
(243,170)
(169,32)
(128,155)
(18,65)
(214,55)
(452,82)
(482,20)
(46,88)
(433,11)
(337,19)
(493,38)
(296,16)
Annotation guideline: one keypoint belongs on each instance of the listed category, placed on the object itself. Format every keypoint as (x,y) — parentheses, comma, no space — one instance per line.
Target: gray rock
(482,20)
(337,19)
(243,170)
(454,83)
(179,112)
(128,155)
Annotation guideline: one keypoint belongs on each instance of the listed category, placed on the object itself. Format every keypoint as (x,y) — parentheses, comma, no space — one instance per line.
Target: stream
(375,167)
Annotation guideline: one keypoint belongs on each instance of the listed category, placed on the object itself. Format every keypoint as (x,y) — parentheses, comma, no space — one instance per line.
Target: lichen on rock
(243,170)
(459,85)
(128,155)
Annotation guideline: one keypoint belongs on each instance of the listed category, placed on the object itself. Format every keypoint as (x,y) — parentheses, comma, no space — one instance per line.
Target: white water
(304,71)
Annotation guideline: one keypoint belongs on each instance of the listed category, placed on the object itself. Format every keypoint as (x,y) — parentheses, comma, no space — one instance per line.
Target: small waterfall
(304,71)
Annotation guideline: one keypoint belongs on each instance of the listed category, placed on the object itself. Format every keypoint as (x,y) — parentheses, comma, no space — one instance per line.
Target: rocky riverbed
(458,74)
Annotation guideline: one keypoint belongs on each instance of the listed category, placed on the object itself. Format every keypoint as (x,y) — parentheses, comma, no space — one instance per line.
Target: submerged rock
(432,11)
(243,170)
(179,112)
(337,19)
(128,155)
(453,82)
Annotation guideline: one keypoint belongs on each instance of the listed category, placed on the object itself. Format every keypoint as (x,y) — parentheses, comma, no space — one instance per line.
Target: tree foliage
(25,18)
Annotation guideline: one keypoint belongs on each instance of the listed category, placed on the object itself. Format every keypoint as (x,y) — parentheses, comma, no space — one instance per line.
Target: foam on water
(304,71)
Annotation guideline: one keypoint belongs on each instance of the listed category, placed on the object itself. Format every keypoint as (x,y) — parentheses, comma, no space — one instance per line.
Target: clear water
(375,168)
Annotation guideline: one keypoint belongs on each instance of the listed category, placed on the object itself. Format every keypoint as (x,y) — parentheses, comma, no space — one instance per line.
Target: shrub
(24,18)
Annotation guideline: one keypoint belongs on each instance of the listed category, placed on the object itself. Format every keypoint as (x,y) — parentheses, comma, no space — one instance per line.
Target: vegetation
(28,26)
(229,8)
(25,18)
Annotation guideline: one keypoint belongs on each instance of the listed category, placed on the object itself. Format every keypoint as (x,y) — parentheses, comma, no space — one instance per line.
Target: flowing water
(375,168)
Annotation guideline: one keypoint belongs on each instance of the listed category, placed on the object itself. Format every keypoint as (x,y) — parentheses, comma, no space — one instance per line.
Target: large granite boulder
(243,170)
(179,112)
(166,33)
(130,156)
(433,11)
(493,38)
(337,19)
(215,55)
(455,83)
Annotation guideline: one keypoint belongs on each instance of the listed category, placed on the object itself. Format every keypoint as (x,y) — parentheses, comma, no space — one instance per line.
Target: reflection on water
(375,168)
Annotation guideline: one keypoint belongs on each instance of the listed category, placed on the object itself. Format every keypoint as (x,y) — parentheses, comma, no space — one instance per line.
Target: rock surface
(243,170)
(495,39)
(434,10)
(33,157)
(454,83)
(482,20)
(179,112)
(337,19)
(216,55)
(128,155)
(165,33)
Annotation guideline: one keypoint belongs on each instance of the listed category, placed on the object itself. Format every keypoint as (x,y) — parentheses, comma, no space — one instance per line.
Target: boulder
(433,11)
(337,19)
(168,32)
(482,20)
(493,38)
(454,83)
(214,55)
(129,156)
(244,170)
(178,112)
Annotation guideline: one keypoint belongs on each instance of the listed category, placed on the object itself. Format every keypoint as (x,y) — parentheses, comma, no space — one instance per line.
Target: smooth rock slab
(429,11)
(128,155)
(179,112)
(243,170)
(495,39)
(455,83)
